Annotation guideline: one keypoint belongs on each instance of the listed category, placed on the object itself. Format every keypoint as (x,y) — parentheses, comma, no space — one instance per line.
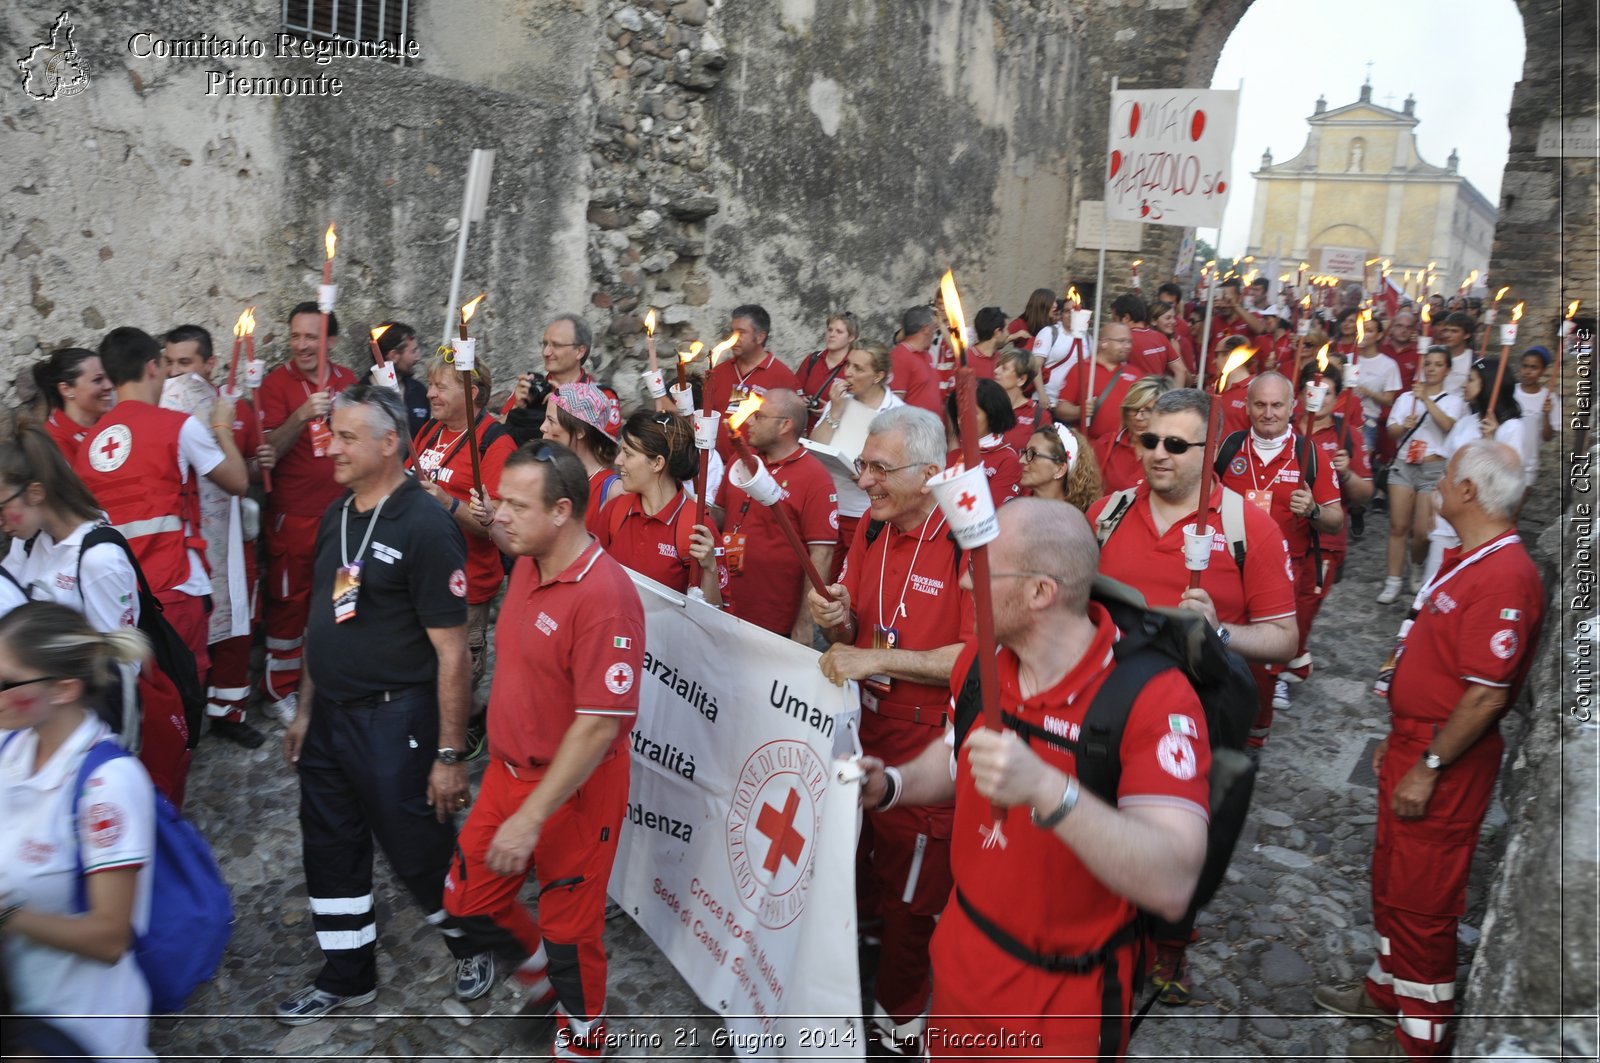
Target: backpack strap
(1233,525)
(101,534)
(9,578)
(1227,450)
(98,754)
(1097,759)
(1117,505)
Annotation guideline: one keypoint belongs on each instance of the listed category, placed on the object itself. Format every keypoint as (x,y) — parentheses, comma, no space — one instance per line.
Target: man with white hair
(1462,655)
(896,621)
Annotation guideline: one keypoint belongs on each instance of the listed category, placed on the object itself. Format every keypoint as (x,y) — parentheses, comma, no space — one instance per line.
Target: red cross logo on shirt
(966,501)
(779,827)
(110,449)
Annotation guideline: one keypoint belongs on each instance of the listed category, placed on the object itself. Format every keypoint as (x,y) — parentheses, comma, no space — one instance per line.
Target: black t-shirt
(413,577)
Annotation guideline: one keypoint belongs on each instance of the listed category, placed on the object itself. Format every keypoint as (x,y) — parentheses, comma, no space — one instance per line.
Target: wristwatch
(1431,761)
(1069,801)
(447,755)
(1223,634)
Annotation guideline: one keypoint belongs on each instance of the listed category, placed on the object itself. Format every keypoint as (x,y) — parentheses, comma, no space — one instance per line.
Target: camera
(539,390)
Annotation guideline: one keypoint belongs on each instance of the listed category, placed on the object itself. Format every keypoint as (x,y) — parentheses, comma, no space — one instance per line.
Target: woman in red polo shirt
(587,421)
(1013,371)
(444,468)
(77,393)
(1121,461)
(650,527)
(819,369)
(995,419)
(1059,464)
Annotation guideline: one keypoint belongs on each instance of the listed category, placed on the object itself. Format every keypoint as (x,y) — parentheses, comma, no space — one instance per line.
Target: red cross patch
(619,678)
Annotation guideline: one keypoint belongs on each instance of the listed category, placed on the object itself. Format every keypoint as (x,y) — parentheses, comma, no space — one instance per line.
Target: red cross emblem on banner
(779,827)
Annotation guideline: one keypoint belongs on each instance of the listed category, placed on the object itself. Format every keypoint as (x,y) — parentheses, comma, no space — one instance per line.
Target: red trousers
(1419,885)
(1265,681)
(230,658)
(990,1005)
(291,544)
(190,619)
(572,862)
(1308,598)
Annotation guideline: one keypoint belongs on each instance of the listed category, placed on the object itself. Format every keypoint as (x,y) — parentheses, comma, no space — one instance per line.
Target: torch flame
(1238,358)
(1072,294)
(468,309)
(1138,262)
(952,310)
(1284,278)
(1501,294)
(330,239)
(1306,302)
(1369,261)
(1427,313)
(1472,278)
(1361,328)
(1322,359)
(723,347)
(377,333)
(691,352)
(750,405)
(1516,314)
(1387,263)
(1572,310)
(246,323)
(650,322)
(1304,266)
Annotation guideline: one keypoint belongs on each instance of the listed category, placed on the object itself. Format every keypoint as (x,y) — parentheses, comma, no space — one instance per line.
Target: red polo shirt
(1406,358)
(66,433)
(568,647)
(1479,625)
(1137,556)
(815,379)
(728,386)
(1268,485)
(1329,442)
(1221,330)
(911,377)
(302,482)
(766,577)
(1120,464)
(1107,417)
(1031,416)
(909,581)
(652,544)
(1235,408)
(1151,351)
(442,456)
(1000,463)
(1183,335)
(1036,888)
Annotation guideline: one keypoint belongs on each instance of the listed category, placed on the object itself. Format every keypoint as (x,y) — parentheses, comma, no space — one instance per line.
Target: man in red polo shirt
(1463,654)
(896,623)
(1277,470)
(1234,397)
(766,581)
(1250,602)
(294,405)
(911,374)
(1112,377)
(565,350)
(1076,864)
(566,690)
(1229,318)
(752,368)
(1151,353)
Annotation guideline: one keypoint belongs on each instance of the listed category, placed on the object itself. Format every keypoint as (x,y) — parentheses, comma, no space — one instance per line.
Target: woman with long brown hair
(76,393)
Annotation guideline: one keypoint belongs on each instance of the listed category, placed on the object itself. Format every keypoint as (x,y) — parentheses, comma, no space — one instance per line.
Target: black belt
(1053,962)
(382,697)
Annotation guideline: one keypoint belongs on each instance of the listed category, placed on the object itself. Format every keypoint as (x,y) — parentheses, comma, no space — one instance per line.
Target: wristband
(455,504)
(831,423)
(892,787)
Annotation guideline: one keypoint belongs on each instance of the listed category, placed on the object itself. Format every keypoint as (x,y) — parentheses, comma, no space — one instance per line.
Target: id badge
(1262,500)
(733,544)
(346,588)
(883,638)
(1416,450)
(321,438)
(736,397)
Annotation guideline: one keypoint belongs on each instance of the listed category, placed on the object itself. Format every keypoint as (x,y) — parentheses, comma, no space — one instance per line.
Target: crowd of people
(367,531)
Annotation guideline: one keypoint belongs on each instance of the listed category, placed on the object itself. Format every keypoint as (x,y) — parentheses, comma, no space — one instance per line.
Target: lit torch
(705,452)
(1135,267)
(1316,392)
(377,351)
(466,360)
(326,295)
(1240,356)
(650,337)
(238,344)
(1566,331)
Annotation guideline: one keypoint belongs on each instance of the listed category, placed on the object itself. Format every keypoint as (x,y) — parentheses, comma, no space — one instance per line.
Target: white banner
(1170,155)
(738,854)
(1346,263)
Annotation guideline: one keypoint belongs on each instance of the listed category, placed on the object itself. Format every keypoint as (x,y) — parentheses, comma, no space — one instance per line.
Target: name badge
(346,588)
(733,544)
(1260,499)
(321,438)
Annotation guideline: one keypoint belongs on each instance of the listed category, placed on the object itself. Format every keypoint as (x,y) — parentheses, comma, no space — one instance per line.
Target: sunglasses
(1174,445)
(15,683)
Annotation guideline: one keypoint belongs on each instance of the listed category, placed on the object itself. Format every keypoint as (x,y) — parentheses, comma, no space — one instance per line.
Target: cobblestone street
(1293,913)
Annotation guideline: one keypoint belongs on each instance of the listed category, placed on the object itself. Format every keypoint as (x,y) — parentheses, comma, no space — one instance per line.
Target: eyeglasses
(15,683)
(878,469)
(1029,455)
(1174,445)
(558,346)
(13,496)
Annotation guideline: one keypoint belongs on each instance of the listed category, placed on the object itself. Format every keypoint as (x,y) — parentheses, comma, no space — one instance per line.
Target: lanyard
(900,607)
(1287,448)
(344,524)
(1444,577)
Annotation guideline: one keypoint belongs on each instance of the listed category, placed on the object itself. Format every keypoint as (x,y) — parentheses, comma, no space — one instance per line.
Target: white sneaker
(1391,590)
(1280,694)
(288,706)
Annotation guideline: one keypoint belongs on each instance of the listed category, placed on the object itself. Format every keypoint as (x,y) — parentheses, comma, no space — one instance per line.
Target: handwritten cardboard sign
(1169,158)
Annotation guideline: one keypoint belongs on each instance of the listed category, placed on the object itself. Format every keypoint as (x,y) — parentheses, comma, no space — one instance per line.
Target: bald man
(766,580)
(1075,867)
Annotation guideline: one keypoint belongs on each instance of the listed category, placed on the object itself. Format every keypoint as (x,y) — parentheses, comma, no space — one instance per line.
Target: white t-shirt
(39,853)
(11,595)
(1428,431)
(1455,381)
(1532,407)
(1053,347)
(197,450)
(110,592)
(1467,428)
(1377,372)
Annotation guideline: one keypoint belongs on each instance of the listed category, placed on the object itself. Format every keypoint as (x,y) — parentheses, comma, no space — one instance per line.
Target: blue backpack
(191,908)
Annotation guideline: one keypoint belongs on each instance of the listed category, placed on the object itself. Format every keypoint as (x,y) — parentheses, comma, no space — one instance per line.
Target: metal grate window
(386,21)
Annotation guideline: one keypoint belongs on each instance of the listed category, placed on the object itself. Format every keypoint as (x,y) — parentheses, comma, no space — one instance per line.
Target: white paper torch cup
(1316,396)
(1352,375)
(1304,327)
(232,394)
(1508,334)
(466,358)
(327,295)
(655,383)
(963,495)
(1196,548)
(384,375)
(1489,314)
(683,399)
(1080,321)
(255,371)
(1566,328)
(705,430)
(761,485)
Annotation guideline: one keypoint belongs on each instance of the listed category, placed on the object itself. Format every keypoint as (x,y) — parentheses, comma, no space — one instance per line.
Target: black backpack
(1306,455)
(1154,640)
(171,654)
